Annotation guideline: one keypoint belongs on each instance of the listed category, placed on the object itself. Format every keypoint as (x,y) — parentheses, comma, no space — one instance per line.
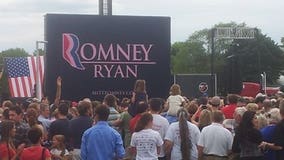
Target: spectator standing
(110,101)
(267,132)
(205,118)
(229,109)
(7,148)
(58,149)
(160,124)
(252,107)
(61,125)
(142,107)
(242,102)
(181,138)
(123,123)
(35,151)
(267,106)
(248,138)
(215,103)
(44,117)
(278,136)
(22,128)
(146,142)
(101,142)
(232,124)
(215,141)
(259,99)
(238,114)
(79,125)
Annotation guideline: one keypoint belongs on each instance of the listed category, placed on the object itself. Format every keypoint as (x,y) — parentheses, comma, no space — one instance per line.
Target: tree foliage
(187,55)
(13,52)
(257,56)
(251,57)
(197,46)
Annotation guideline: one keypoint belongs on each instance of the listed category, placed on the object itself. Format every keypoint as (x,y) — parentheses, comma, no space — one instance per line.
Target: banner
(197,85)
(97,55)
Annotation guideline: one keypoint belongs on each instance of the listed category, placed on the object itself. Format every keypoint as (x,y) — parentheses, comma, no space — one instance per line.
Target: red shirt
(34,153)
(229,110)
(133,121)
(4,151)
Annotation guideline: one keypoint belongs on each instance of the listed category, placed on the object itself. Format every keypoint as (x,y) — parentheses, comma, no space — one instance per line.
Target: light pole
(263,82)
(212,78)
(38,84)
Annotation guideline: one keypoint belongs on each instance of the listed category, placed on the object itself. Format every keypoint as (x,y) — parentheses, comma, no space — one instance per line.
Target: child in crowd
(175,101)
(58,150)
(139,94)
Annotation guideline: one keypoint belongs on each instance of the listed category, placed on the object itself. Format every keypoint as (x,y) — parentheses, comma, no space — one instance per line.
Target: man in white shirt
(215,142)
(160,124)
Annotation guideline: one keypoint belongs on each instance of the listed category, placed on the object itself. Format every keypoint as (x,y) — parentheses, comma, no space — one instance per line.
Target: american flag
(22,75)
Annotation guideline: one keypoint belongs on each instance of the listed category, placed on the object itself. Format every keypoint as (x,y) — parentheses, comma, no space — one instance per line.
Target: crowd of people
(143,128)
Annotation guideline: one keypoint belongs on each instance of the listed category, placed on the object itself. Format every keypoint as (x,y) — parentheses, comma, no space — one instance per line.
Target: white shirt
(57,152)
(45,122)
(175,103)
(216,140)
(161,125)
(146,142)
(173,135)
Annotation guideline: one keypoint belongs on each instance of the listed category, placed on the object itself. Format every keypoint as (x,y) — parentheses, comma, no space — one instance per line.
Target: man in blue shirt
(101,142)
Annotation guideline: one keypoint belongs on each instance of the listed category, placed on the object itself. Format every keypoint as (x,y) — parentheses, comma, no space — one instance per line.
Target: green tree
(184,55)
(13,52)
(251,57)
(257,56)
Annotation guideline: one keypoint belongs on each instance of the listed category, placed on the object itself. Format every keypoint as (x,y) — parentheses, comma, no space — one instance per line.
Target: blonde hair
(74,110)
(252,107)
(61,142)
(240,111)
(262,121)
(205,118)
(32,115)
(274,115)
(175,90)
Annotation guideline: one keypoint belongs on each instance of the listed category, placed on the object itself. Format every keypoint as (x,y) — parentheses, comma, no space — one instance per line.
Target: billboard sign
(96,55)
(196,85)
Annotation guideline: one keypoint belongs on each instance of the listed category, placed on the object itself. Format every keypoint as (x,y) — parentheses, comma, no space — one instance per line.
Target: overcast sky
(21,21)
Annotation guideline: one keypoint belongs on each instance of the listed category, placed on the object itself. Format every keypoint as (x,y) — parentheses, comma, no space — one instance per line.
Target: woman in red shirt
(7,148)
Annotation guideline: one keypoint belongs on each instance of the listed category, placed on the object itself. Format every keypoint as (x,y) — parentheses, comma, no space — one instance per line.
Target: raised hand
(58,81)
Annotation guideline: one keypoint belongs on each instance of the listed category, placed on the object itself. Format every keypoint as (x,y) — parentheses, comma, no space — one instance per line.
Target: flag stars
(17,67)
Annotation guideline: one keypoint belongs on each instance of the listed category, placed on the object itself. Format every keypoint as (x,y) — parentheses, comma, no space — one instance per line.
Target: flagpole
(38,86)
